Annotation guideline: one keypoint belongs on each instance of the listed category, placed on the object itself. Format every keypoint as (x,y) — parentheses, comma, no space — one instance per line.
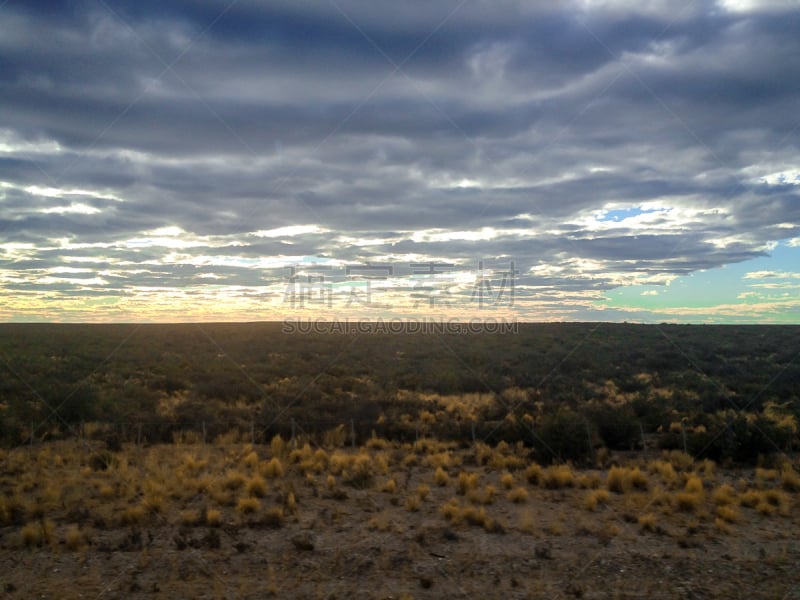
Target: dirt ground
(376,541)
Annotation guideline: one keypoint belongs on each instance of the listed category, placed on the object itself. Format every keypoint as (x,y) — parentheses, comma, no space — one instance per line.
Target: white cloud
(771,275)
(786,177)
(78,208)
(289,231)
(759,5)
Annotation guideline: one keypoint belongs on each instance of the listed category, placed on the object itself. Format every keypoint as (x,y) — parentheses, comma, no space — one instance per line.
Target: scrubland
(427,519)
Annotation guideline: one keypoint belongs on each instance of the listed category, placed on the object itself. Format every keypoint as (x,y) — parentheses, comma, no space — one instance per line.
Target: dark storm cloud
(380,120)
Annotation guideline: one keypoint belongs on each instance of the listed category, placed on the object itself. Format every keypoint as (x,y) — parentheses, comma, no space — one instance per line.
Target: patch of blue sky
(620,214)
(774,278)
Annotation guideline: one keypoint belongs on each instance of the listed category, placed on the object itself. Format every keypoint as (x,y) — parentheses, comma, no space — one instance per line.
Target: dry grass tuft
(728,513)
(190,517)
(413,503)
(423,491)
(233,480)
(557,476)
(441,477)
(518,495)
(466,482)
(596,497)
(533,473)
(213,517)
(133,515)
(649,522)
(485,496)
(389,486)
(790,480)
(250,460)
(256,486)
(664,470)
(722,525)
(37,533)
(589,481)
(679,460)
(74,538)
(694,485)
(724,495)
(273,469)
(623,479)
(763,476)
(750,498)
(247,506)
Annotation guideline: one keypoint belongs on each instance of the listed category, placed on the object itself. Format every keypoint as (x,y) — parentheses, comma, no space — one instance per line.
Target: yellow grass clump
(485,496)
(533,473)
(273,469)
(250,460)
(379,523)
(441,477)
(765,475)
(648,522)
(664,470)
(557,476)
(694,485)
(74,538)
(727,513)
(133,515)
(750,498)
(724,495)
(213,517)
(413,503)
(722,525)
(248,505)
(466,482)
(376,443)
(790,480)
(469,514)
(423,491)
(589,481)
(518,495)
(37,533)
(778,499)
(596,497)
(692,496)
(256,486)
(277,446)
(680,460)
(190,517)
(233,480)
(440,459)
(624,479)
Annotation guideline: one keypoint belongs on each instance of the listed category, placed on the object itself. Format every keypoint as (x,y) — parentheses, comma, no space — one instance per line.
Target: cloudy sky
(244,160)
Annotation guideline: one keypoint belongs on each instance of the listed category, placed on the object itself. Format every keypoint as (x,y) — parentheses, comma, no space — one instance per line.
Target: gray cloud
(399,130)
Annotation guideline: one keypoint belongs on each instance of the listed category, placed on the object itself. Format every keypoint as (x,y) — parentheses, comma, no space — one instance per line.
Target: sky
(241,160)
